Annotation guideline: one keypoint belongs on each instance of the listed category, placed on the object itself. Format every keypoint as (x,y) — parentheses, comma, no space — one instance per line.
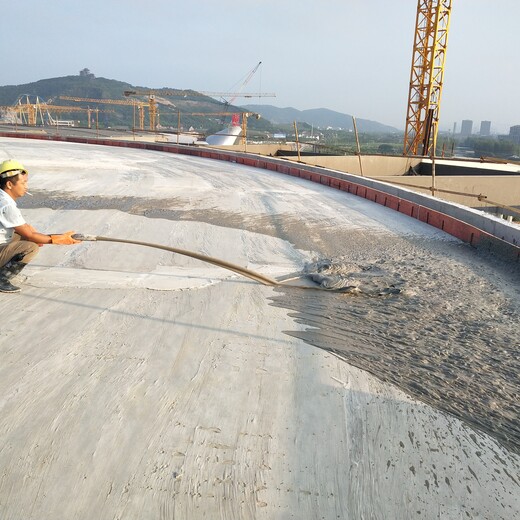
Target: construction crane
(58,109)
(426,77)
(25,109)
(192,93)
(139,105)
(247,79)
(29,111)
(152,93)
(54,109)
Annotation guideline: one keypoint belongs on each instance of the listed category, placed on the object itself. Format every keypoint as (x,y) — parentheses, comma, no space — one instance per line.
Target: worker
(19,241)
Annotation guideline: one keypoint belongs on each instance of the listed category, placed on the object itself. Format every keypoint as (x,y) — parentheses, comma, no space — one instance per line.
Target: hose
(215,261)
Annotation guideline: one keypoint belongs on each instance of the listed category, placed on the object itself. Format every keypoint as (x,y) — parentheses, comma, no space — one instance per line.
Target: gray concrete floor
(140,384)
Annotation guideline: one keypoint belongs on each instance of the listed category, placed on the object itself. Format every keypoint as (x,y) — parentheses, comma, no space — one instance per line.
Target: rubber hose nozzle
(79,236)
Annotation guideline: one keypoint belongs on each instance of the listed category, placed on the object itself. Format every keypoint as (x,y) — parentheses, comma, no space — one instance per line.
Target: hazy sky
(353,56)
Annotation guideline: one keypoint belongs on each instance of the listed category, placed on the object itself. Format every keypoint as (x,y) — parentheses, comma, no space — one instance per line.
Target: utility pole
(297,141)
(357,146)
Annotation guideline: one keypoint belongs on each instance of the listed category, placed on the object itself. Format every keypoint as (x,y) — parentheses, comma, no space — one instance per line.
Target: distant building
(85,73)
(485,128)
(514,134)
(466,128)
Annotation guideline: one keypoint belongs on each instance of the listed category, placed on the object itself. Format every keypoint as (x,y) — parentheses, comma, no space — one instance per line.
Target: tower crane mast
(426,76)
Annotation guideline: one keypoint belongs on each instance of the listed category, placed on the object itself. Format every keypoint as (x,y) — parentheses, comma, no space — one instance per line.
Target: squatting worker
(19,241)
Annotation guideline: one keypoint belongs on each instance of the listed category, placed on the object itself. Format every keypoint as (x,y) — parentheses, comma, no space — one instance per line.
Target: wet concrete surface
(439,321)
(436,318)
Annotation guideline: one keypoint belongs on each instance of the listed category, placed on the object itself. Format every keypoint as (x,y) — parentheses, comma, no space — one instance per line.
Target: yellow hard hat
(10,168)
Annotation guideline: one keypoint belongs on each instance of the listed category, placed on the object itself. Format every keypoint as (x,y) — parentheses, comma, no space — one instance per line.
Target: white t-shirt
(10,217)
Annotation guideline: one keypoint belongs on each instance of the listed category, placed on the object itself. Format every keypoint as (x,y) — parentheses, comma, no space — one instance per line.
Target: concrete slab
(139,384)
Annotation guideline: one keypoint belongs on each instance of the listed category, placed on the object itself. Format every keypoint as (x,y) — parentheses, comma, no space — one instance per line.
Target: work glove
(64,239)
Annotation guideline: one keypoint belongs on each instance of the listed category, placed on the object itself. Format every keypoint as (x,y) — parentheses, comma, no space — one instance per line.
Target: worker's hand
(64,239)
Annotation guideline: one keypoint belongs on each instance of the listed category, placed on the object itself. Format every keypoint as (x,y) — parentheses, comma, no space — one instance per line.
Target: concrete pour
(140,384)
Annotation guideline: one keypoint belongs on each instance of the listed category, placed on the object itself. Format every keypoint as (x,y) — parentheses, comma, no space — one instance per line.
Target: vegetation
(474,146)
(80,86)
(373,139)
(87,85)
(489,147)
(343,142)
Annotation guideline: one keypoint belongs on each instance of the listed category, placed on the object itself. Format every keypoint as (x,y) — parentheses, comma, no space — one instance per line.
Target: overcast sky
(352,56)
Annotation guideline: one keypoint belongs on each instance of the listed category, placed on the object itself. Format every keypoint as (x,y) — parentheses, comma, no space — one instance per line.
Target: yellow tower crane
(152,93)
(59,109)
(426,77)
(139,105)
(29,112)
(26,109)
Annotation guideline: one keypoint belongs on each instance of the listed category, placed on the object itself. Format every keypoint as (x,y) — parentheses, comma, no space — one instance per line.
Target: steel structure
(30,112)
(192,93)
(139,105)
(426,77)
(152,93)
(247,79)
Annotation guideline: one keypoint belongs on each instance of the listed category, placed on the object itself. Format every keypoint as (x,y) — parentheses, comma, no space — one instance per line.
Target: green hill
(320,118)
(78,86)
(86,85)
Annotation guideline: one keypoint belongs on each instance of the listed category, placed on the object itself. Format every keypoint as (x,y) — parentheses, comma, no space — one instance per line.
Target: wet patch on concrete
(448,334)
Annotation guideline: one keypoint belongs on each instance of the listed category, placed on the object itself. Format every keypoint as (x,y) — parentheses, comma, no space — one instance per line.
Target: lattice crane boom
(29,111)
(140,105)
(152,93)
(426,76)
(193,93)
(247,79)
(106,101)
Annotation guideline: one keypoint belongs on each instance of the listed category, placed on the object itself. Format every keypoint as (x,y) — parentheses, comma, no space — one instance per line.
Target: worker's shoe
(7,287)
(7,272)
